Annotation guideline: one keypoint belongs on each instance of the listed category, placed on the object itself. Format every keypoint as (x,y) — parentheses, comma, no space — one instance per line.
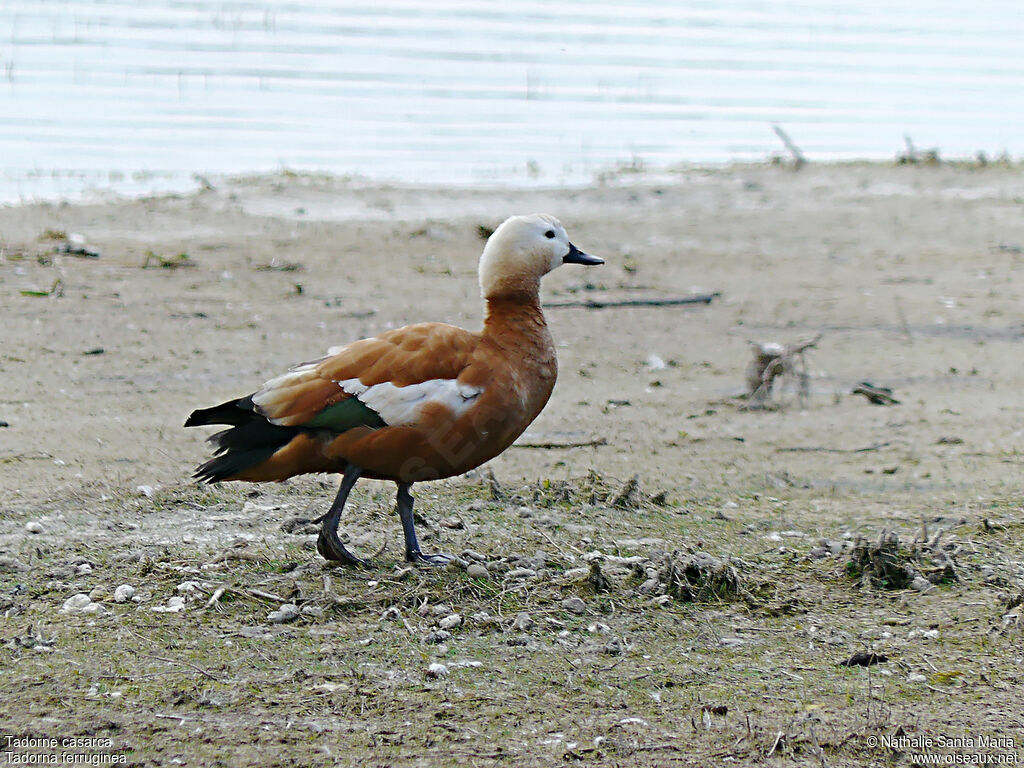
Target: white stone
(437,670)
(287,612)
(77,603)
(124,593)
(450,622)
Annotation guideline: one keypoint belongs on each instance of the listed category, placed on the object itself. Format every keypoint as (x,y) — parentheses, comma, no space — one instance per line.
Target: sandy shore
(914,277)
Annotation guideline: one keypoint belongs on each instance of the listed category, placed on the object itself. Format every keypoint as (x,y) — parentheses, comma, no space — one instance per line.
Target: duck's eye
(549,234)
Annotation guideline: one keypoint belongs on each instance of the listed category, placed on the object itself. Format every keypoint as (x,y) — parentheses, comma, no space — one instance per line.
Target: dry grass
(737,642)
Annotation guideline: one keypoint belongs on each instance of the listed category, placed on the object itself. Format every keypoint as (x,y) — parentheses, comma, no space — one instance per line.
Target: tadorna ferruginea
(422,402)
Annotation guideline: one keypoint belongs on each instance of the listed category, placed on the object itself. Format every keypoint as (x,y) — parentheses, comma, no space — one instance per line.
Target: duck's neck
(515,319)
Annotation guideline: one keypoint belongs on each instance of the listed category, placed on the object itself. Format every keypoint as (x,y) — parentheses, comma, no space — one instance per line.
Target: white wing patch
(403,405)
(296,375)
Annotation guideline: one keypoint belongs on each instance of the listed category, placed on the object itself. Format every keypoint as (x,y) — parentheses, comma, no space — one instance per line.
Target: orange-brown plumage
(422,402)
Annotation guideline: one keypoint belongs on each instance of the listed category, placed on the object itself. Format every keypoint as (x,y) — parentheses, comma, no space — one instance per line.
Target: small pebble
(175,604)
(523,622)
(450,622)
(916,677)
(34,527)
(12,565)
(574,605)
(97,593)
(613,647)
(437,670)
(83,569)
(437,636)
(472,554)
(453,523)
(649,587)
(287,612)
(441,609)
(921,584)
(477,571)
(145,490)
(124,593)
(312,610)
(521,573)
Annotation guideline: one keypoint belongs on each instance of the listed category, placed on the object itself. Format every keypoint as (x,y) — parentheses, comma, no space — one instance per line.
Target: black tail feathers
(250,440)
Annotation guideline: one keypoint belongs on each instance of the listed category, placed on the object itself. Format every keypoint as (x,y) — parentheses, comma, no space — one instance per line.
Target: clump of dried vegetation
(888,563)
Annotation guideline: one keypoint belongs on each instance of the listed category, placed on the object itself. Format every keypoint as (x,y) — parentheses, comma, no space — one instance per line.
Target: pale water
(138,95)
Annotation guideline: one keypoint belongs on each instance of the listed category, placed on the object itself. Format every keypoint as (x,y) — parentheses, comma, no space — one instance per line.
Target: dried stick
(799,161)
(702,298)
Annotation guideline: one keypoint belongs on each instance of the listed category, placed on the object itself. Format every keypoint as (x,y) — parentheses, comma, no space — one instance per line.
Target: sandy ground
(914,276)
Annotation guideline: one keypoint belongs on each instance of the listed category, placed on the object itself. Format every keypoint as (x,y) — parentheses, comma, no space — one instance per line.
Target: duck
(417,403)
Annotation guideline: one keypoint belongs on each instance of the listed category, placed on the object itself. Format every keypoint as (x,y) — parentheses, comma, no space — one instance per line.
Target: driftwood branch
(702,298)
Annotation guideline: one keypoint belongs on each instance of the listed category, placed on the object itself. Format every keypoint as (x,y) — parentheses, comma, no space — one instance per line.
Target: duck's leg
(328,544)
(412,546)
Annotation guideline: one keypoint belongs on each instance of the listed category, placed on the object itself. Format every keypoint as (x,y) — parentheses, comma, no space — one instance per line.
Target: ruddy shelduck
(422,402)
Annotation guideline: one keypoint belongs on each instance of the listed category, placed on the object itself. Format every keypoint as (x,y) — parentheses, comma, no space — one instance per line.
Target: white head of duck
(524,249)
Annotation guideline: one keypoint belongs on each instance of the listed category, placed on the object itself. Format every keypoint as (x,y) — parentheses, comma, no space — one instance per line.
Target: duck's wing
(378,382)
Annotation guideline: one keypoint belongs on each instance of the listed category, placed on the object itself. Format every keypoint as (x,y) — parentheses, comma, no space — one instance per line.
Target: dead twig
(196,667)
(822,449)
(702,298)
(217,595)
(780,738)
(875,395)
(799,161)
(258,594)
(553,446)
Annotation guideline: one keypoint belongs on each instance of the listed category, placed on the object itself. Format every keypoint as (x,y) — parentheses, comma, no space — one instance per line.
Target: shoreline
(622,173)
